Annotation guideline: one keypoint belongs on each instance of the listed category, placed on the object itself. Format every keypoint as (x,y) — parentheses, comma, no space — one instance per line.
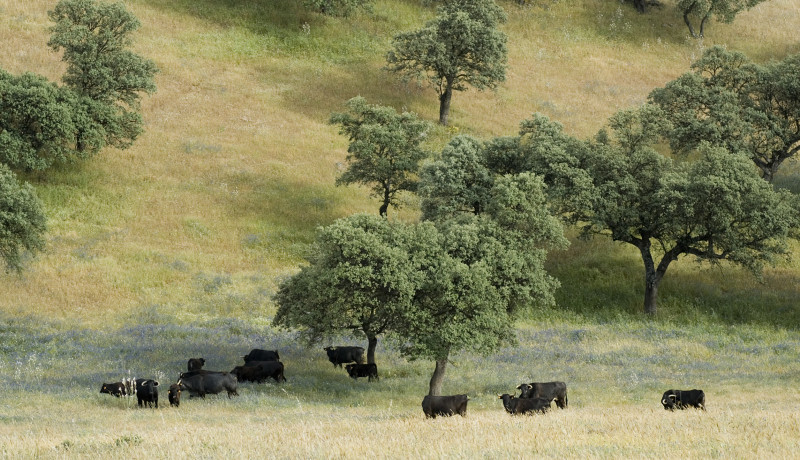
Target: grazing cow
(681,399)
(548,390)
(444,405)
(174,395)
(147,392)
(117,389)
(259,371)
(261,355)
(515,406)
(363,370)
(188,374)
(203,384)
(196,364)
(342,355)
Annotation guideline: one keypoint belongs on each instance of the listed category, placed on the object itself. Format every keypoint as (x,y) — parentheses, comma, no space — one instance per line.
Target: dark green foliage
(724,10)
(715,208)
(338,7)
(733,103)
(38,122)
(362,275)
(107,77)
(463,46)
(22,222)
(384,151)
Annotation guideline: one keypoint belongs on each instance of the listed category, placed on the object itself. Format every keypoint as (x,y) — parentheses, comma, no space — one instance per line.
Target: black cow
(147,392)
(515,406)
(261,355)
(341,355)
(259,371)
(188,374)
(547,390)
(363,370)
(681,399)
(174,395)
(195,364)
(117,389)
(203,384)
(444,405)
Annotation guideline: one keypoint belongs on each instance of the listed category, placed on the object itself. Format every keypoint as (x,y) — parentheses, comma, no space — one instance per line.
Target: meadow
(173,248)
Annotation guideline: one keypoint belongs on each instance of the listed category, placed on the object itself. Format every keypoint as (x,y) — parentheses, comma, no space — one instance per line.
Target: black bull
(681,399)
(341,355)
(548,390)
(212,383)
(434,406)
(515,406)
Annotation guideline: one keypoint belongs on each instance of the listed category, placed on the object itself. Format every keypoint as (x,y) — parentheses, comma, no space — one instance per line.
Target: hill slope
(222,193)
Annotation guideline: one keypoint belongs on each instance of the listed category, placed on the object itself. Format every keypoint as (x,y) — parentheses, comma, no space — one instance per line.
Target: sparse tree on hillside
(384,151)
(716,208)
(360,279)
(107,77)
(22,222)
(724,10)
(495,231)
(462,46)
(732,102)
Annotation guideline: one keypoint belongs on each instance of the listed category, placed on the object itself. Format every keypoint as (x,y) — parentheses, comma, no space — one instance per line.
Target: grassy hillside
(173,248)
(236,167)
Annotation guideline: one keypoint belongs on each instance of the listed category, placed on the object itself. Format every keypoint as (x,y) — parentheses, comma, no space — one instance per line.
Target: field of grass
(172,249)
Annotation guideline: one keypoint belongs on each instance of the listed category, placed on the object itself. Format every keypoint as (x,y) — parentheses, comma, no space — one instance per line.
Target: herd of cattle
(260,365)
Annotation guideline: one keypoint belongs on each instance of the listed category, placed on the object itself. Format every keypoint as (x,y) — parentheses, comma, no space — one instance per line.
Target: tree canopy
(729,101)
(462,46)
(385,149)
(22,221)
(715,208)
(105,75)
(703,10)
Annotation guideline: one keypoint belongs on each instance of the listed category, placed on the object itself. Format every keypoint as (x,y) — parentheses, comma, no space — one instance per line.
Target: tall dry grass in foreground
(742,426)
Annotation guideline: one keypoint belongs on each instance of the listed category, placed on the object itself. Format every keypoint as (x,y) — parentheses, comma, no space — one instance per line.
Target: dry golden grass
(741,426)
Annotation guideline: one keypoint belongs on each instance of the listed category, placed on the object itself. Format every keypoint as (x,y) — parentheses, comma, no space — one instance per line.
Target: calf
(195,364)
(259,371)
(117,389)
(341,355)
(174,395)
(147,392)
(515,406)
(363,370)
(203,384)
(261,355)
(445,406)
(550,390)
(681,399)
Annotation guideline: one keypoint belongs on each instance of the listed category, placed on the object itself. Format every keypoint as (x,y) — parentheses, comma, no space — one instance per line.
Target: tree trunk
(653,275)
(641,5)
(444,103)
(386,200)
(437,378)
(372,345)
(703,23)
(686,19)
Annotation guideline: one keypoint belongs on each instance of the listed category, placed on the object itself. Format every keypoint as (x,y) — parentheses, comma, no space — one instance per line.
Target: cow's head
(525,390)
(669,399)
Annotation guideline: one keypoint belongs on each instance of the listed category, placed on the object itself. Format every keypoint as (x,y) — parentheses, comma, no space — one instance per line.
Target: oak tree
(462,46)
